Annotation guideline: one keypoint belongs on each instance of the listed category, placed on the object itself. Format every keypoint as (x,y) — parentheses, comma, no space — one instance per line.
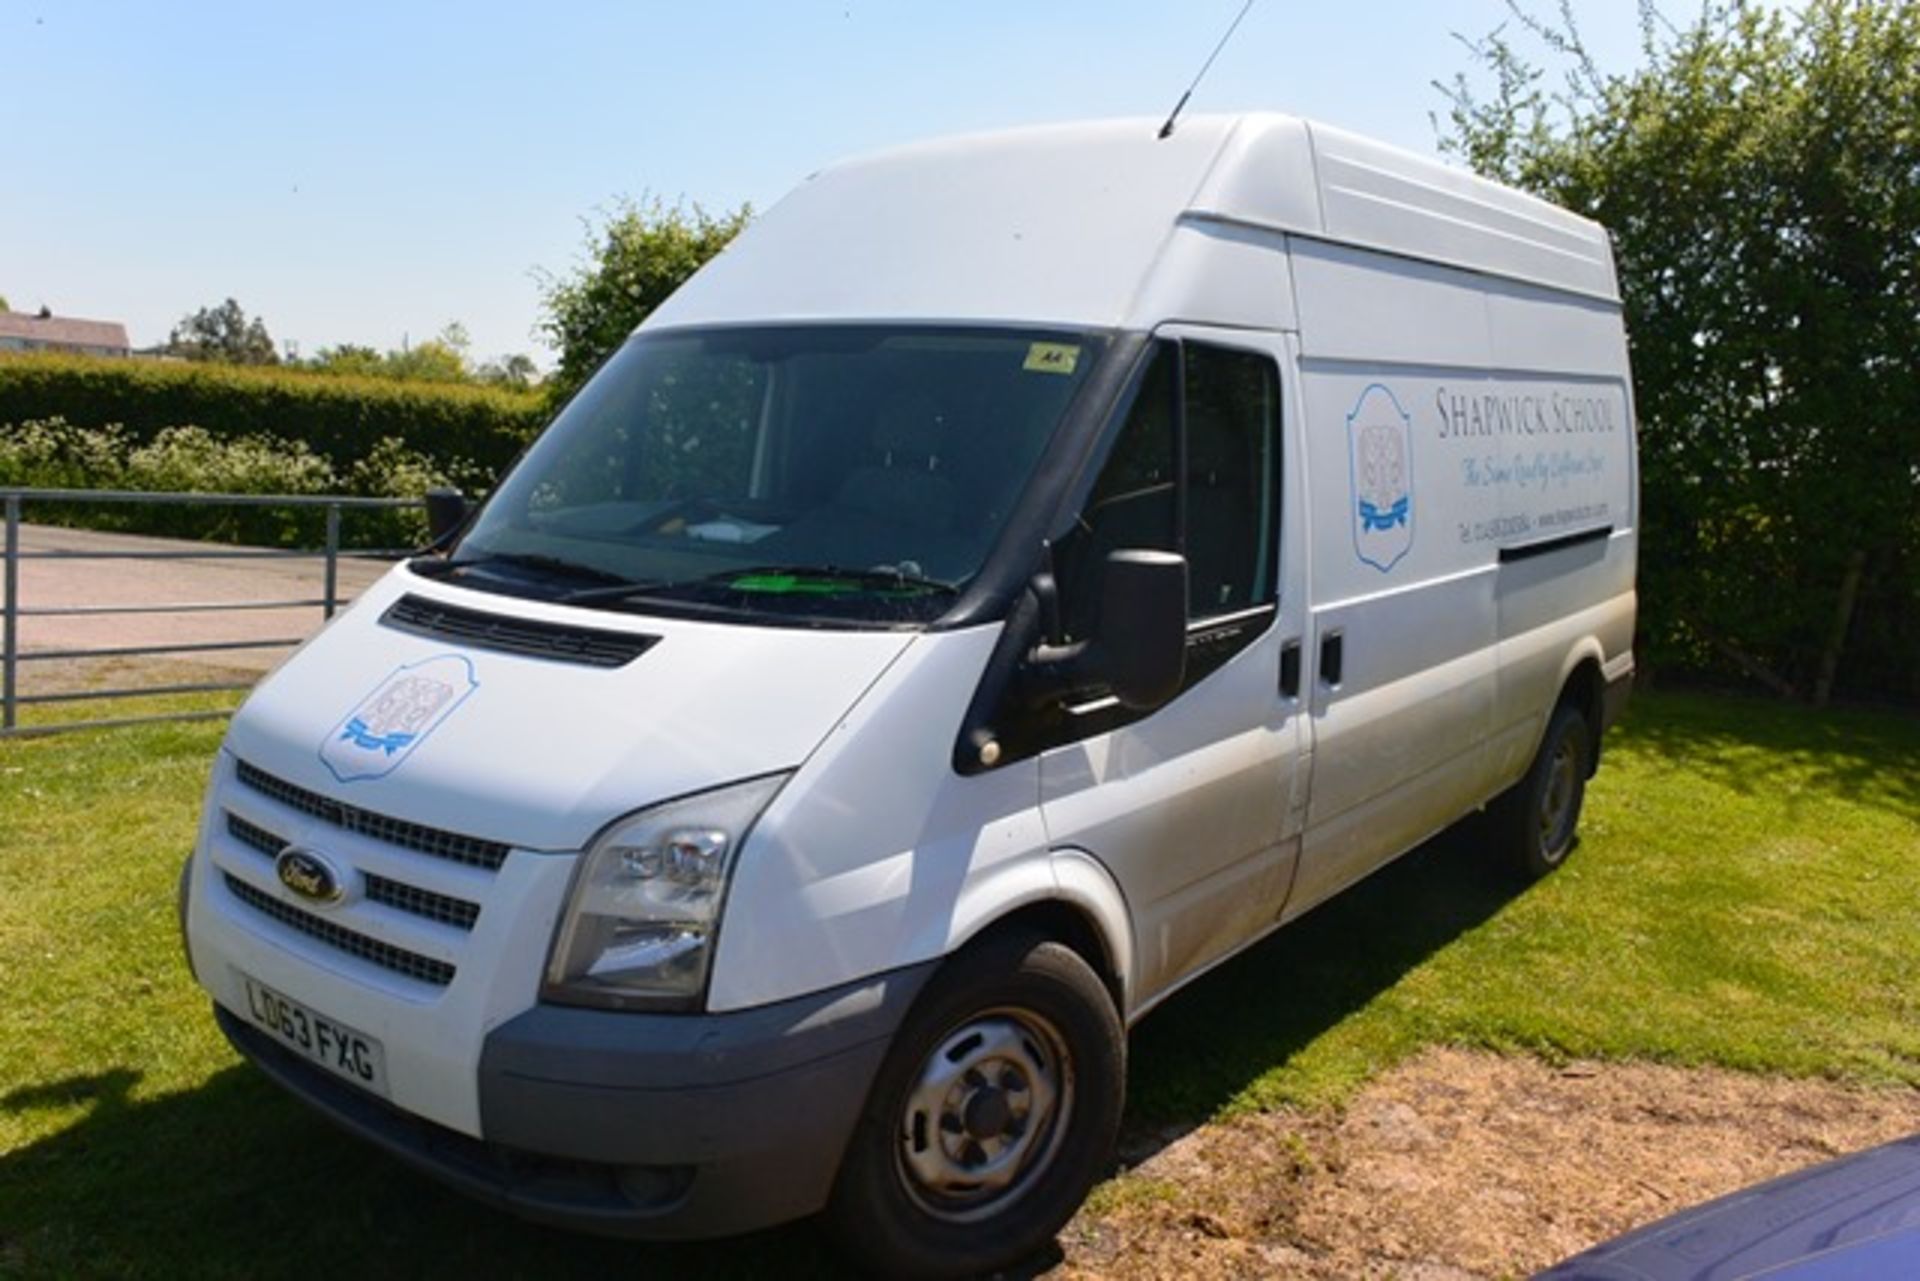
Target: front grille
(254,836)
(470,850)
(588,646)
(386,955)
(457,912)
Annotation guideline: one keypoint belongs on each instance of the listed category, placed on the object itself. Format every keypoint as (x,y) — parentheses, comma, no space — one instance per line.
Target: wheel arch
(1583,684)
(1083,908)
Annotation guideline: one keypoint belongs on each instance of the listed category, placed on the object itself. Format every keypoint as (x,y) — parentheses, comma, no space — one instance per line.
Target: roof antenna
(1166,130)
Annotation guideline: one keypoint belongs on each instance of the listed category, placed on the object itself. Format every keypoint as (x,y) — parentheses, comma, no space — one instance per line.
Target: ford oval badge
(308,873)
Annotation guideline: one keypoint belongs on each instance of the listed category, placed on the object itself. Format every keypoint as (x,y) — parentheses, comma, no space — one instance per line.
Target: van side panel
(1400,740)
(1471,465)
(1578,601)
(1400,745)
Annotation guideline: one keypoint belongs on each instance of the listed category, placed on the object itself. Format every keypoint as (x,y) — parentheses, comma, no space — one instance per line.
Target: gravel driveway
(198,580)
(1460,1165)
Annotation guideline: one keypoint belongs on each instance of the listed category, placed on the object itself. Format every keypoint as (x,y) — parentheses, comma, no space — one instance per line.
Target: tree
(516,371)
(350,358)
(223,334)
(635,257)
(1760,173)
(440,359)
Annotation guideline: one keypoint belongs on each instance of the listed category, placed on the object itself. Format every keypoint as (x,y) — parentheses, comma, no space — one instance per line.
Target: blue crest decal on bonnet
(384,727)
(1380,438)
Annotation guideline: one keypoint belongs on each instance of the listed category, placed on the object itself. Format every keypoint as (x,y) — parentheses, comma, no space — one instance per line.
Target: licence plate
(334,1046)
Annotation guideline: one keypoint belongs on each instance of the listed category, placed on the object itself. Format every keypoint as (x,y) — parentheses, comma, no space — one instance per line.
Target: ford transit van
(1021,572)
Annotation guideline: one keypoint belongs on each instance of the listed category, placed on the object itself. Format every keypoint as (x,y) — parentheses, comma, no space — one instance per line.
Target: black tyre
(996,1109)
(1534,823)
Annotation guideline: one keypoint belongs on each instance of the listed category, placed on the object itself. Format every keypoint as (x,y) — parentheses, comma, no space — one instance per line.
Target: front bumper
(642,1125)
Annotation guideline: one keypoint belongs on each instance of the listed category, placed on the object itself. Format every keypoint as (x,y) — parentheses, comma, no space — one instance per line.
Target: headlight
(639,925)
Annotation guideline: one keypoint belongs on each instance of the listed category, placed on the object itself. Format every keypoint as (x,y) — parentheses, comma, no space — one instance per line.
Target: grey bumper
(659,1126)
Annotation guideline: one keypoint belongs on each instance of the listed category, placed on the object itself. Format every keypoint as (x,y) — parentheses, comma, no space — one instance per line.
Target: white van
(1018,574)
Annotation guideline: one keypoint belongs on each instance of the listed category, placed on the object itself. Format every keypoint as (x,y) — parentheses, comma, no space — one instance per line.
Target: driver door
(1191,806)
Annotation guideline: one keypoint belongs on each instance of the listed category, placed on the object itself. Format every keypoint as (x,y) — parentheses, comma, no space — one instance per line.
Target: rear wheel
(995,1111)
(1534,823)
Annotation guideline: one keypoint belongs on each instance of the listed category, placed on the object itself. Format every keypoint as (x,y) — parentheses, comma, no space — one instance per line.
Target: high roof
(1066,223)
(65,331)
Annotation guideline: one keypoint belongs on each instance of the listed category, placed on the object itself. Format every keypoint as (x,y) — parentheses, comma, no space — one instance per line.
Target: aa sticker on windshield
(1052,358)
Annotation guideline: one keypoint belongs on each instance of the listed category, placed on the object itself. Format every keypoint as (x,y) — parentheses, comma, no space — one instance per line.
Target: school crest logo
(1380,436)
(377,735)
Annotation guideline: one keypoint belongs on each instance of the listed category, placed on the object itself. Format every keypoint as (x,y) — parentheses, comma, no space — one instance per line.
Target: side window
(1233,414)
(1132,503)
(1218,509)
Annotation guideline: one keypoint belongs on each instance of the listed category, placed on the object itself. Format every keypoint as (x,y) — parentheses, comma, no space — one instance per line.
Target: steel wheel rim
(985,1115)
(1557,800)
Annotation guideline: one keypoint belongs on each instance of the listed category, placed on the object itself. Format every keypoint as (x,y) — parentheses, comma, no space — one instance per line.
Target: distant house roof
(63,331)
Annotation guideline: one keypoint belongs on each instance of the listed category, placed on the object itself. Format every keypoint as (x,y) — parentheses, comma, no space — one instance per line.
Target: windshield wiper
(616,588)
(551,564)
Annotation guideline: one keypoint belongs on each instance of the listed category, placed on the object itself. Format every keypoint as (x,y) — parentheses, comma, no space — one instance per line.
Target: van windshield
(818,471)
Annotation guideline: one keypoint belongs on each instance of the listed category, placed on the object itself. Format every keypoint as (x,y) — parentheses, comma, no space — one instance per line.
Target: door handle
(1332,654)
(1290,669)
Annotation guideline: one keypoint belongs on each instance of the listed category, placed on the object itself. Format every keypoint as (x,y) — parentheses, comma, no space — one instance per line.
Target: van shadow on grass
(1214,1038)
(233,1178)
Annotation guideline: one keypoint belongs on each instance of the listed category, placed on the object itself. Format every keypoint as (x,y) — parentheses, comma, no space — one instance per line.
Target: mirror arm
(1053,674)
(1046,592)
(1052,669)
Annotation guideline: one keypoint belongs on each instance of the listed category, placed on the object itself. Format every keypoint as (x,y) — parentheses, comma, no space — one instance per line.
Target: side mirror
(446,513)
(1139,647)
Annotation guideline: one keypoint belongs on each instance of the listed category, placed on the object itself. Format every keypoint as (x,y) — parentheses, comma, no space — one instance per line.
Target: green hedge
(54,454)
(342,419)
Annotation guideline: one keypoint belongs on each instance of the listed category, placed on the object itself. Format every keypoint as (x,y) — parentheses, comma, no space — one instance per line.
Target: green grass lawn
(1747,893)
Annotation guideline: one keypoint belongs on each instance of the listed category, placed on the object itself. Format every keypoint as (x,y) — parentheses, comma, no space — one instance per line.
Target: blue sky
(360,172)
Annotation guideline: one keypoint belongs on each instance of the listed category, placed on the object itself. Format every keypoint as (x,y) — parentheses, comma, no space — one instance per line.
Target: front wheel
(1534,823)
(993,1114)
